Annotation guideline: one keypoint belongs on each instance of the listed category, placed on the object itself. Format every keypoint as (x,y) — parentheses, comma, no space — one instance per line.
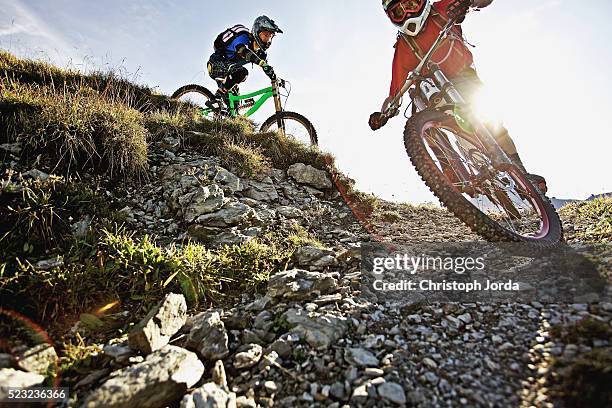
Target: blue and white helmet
(264,23)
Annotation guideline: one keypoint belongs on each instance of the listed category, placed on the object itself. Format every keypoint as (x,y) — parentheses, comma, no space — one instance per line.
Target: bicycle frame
(500,160)
(265,94)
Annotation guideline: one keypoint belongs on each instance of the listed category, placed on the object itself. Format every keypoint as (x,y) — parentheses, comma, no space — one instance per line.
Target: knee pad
(239,75)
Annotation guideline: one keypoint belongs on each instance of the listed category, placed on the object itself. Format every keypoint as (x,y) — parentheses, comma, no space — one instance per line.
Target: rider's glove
(377,120)
(457,9)
(481,3)
(269,71)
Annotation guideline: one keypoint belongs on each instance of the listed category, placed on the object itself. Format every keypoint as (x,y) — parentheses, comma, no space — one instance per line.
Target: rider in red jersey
(419,23)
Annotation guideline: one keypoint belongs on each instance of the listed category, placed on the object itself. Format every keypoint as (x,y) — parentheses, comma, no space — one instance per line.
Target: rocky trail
(314,338)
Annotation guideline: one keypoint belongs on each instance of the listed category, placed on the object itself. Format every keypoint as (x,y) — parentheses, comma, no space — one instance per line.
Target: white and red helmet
(408,15)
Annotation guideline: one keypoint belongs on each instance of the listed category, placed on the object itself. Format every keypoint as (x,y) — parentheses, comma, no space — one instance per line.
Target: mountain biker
(236,47)
(419,23)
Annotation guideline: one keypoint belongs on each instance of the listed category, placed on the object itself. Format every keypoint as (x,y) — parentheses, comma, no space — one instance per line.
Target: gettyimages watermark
(482,272)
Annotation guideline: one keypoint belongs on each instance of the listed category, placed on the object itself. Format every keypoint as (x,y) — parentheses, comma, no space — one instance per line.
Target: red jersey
(453,55)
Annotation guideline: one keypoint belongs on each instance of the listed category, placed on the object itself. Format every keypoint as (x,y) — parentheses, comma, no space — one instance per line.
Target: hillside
(149,257)
(561,202)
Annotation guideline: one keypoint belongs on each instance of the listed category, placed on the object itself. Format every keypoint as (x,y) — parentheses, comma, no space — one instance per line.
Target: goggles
(403,9)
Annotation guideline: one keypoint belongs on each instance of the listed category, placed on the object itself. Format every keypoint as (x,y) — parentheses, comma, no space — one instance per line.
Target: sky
(545,66)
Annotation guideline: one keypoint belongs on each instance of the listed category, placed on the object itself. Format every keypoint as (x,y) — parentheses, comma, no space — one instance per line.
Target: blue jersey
(230,50)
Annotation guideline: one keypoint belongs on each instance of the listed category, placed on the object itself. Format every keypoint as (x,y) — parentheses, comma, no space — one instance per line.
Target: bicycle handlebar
(394,105)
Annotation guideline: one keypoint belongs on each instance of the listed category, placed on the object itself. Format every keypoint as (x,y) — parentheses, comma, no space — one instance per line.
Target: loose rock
(10,378)
(208,336)
(154,331)
(158,381)
(298,284)
(306,174)
(319,330)
(38,359)
(249,357)
(392,392)
(360,357)
(210,395)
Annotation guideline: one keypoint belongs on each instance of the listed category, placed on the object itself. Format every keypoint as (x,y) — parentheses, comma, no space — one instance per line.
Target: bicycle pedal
(213,104)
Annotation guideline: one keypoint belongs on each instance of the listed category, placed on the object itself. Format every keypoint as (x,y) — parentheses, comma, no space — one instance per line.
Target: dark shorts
(220,69)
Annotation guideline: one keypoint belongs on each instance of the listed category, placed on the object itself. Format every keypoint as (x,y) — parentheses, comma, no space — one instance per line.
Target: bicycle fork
(500,159)
(279,108)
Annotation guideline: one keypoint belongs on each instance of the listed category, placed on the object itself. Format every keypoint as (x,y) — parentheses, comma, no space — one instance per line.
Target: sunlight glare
(487,108)
(107,307)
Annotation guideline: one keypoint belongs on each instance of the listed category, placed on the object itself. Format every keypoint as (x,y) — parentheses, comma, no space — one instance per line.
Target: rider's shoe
(220,101)
(537,180)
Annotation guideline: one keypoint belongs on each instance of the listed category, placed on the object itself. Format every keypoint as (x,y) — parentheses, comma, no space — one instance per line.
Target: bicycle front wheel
(498,205)
(296,126)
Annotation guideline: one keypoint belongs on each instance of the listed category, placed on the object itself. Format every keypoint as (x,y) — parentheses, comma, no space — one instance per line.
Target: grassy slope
(100,127)
(589,221)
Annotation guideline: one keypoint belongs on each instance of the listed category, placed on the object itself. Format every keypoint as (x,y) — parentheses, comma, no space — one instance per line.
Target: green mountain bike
(287,123)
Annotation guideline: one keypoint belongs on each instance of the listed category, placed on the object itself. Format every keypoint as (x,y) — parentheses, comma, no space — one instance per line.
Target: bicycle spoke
(502,196)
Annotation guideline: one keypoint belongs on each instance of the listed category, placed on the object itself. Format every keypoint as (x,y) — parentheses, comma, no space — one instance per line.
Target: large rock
(38,359)
(183,183)
(306,174)
(318,330)
(158,381)
(230,238)
(313,256)
(202,201)
(219,237)
(208,337)
(210,395)
(154,331)
(232,213)
(10,377)
(261,191)
(298,284)
(229,181)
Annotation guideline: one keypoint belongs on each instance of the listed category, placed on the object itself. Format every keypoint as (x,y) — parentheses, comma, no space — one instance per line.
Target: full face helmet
(408,15)
(264,23)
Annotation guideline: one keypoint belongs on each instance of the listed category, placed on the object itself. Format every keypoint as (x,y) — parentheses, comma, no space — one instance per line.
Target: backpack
(224,39)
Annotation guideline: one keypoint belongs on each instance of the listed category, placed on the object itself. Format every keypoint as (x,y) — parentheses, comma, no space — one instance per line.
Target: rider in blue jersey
(236,47)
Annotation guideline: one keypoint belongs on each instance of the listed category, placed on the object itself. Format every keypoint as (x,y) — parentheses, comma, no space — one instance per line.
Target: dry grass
(117,265)
(591,220)
(109,85)
(245,151)
(73,130)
